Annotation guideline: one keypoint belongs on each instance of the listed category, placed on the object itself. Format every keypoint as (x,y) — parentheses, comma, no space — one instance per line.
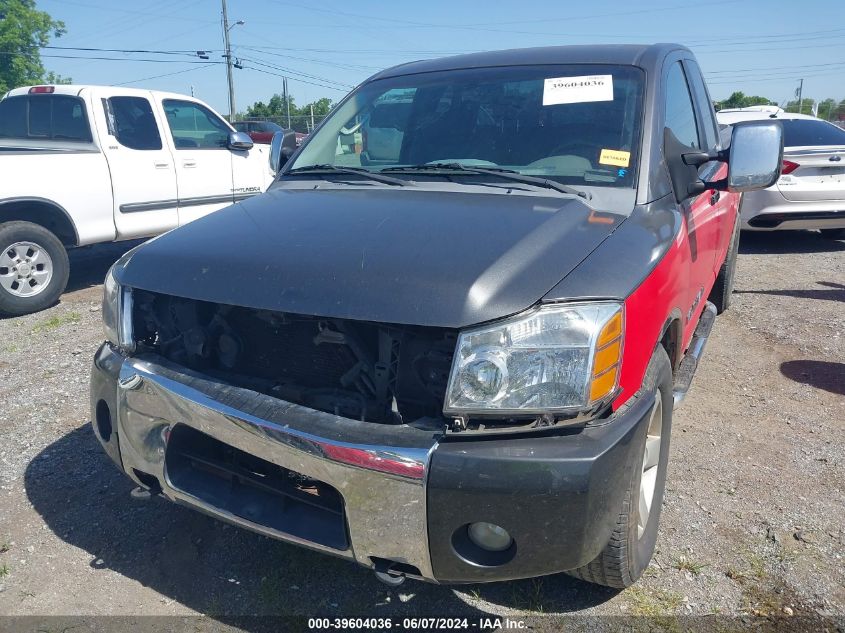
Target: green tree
(739,99)
(827,108)
(321,107)
(273,109)
(300,116)
(23,31)
(839,114)
(806,106)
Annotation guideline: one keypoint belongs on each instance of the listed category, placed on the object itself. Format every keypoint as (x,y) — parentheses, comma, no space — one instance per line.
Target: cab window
(132,123)
(194,126)
(680,114)
(46,117)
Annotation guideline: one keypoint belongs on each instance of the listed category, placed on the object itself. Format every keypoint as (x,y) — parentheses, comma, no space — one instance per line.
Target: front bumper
(406,495)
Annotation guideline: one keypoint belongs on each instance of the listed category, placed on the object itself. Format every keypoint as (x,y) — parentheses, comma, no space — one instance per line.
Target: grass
(653,602)
(5,546)
(736,574)
(756,569)
(682,563)
(758,565)
(55,322)
(4,570)
(528,595)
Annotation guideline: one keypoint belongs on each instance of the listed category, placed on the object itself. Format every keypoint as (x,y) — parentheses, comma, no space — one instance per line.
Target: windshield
(575,124)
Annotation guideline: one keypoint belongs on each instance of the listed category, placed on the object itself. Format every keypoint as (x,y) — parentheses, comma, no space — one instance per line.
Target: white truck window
(50,116)
(194,126)
(132,123)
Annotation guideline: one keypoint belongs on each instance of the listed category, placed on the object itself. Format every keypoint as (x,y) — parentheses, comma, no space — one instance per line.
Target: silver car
(810,193)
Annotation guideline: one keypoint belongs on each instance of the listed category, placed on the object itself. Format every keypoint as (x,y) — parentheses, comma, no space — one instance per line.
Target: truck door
(143,176)
(700,214)
(724,206)
(199,139)
(251,172)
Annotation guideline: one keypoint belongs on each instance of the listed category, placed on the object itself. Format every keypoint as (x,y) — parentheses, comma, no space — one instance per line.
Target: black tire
(721,294)
(833,234)
(15,232)
(626,556)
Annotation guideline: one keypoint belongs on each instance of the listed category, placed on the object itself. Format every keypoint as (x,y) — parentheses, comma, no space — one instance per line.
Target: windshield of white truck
(574,124)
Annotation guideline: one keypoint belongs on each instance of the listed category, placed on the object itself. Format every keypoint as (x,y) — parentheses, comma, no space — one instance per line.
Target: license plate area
(254,489)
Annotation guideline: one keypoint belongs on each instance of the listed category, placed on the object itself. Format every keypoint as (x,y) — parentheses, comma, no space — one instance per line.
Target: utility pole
(312,117)
(287,98)
(800,94)
(228,56)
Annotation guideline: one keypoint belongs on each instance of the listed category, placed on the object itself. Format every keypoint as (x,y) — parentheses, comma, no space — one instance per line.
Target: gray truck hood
(391,255)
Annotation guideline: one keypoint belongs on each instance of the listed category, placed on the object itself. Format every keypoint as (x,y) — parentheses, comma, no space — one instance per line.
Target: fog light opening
(483,544)
(103,420)
(489,536)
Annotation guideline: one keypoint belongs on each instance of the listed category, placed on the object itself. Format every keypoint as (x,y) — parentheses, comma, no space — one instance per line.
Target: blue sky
(759,47)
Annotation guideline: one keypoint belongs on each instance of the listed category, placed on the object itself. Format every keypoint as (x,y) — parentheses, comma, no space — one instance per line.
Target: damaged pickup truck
(454,358)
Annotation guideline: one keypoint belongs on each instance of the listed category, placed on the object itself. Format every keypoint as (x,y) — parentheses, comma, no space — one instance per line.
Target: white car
(810,193)
(88,164)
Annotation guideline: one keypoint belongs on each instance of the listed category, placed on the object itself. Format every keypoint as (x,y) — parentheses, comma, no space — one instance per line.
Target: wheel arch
(671,338)
(51,215)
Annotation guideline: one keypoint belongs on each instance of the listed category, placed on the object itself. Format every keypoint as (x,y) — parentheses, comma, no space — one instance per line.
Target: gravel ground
(753,522)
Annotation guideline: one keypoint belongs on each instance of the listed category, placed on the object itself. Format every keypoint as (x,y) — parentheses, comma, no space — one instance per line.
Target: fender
(650,312)
(65,222)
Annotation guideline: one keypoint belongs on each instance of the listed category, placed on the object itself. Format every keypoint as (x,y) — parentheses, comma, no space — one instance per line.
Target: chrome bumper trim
(382,485)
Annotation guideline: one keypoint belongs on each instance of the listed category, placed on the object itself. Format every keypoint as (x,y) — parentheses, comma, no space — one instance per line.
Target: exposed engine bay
(374,372)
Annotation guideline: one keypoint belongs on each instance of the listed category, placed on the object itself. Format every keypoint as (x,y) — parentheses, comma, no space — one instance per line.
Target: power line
(178,72)
(303,81)
(127,50)
(752,80)
(294,72)
(114,59)
(744,70)
(312,60)
(479,26)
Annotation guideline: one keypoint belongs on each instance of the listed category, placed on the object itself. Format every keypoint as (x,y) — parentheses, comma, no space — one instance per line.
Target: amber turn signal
(606,359)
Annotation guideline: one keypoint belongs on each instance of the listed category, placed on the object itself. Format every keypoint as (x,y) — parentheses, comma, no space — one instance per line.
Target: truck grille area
(254,489)
(366,371)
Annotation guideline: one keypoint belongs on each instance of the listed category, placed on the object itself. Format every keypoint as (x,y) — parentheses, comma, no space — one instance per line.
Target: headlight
(117,312)
(558,357)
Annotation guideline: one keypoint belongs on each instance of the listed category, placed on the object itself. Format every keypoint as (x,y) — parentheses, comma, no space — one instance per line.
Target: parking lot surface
(753,521)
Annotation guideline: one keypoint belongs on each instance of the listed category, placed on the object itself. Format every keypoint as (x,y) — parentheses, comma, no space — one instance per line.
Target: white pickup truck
(86,164)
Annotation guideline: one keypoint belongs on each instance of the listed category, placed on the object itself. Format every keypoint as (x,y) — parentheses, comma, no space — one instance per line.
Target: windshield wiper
(501,172)
(357,171)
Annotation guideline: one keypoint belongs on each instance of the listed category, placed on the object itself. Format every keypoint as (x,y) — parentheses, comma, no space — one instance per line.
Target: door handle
(189,163)
(161,165)
(714,197)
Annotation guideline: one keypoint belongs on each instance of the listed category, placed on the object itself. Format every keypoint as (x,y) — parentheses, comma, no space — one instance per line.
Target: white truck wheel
(34,268)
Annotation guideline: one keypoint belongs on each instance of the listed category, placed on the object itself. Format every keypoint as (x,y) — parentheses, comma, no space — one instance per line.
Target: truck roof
(78,89)
(642,55)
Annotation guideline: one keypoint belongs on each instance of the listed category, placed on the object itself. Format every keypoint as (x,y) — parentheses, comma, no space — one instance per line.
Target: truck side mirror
(755,156)
(239,141)
(282,147)
(754,160)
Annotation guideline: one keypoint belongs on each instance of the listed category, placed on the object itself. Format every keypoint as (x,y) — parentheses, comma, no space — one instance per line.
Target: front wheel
(631,546)
(34,268)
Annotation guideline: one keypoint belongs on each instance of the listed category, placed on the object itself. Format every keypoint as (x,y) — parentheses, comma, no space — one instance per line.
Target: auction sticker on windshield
(617,157)
(558,90)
